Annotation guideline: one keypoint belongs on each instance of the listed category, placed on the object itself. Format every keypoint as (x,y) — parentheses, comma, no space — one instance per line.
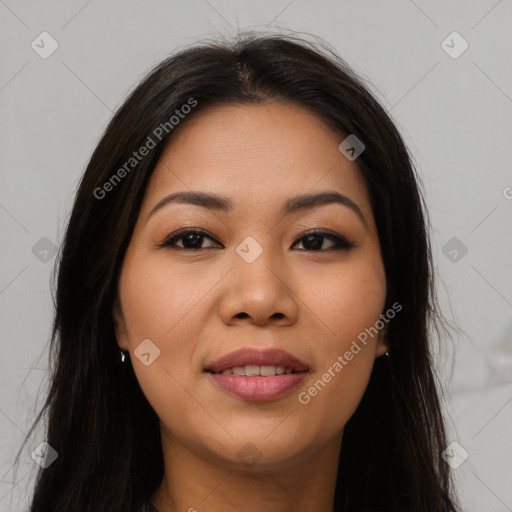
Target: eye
(192,239)
(312,241)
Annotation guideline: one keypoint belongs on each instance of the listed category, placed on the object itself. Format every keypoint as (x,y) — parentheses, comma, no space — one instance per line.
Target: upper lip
(259,357)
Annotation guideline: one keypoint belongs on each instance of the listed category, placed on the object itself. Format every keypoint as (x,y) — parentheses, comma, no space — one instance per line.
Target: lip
(252,356)
(258,388)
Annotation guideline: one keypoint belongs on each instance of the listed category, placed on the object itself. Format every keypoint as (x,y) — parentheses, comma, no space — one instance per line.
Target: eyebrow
(292,205)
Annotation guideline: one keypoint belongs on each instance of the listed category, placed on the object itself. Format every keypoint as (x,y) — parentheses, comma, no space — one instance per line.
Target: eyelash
(341,243)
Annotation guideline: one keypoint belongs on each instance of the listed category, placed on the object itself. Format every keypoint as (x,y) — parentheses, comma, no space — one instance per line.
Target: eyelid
(166,242)
(341,242)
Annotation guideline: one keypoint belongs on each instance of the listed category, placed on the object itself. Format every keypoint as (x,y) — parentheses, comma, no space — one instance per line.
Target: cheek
(157,308)
(333,395)
(158,298)
(346,301)
(344,310)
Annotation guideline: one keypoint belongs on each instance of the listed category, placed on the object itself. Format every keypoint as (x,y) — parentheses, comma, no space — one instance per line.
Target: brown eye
(191,239)
(314,241)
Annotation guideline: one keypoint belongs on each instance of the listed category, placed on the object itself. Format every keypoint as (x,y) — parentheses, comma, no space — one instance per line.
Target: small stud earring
(123,356)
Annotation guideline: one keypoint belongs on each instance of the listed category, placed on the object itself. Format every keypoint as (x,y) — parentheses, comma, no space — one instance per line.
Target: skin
(312,303)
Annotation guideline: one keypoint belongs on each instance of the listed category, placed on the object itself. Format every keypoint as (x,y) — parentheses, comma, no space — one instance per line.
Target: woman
(244,298)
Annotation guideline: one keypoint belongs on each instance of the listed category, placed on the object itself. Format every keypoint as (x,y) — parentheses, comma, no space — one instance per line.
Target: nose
(259,292)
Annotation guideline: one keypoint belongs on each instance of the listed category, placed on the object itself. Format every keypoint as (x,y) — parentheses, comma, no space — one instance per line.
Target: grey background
(454,113)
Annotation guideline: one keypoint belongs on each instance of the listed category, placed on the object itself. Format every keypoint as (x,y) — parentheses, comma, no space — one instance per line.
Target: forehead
(256,154)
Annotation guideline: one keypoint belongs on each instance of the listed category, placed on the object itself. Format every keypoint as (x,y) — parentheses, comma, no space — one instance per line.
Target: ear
(119,325)
(382,343)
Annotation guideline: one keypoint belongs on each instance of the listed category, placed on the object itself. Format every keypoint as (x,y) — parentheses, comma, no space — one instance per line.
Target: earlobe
(119,325)
(382,344)
(382,349)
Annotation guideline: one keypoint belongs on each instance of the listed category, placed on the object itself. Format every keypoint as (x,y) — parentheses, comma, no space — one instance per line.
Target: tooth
(267,371)
(252,370)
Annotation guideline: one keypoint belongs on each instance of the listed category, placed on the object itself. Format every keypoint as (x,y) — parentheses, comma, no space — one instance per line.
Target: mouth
(258,375)
(249,360)
(251,370)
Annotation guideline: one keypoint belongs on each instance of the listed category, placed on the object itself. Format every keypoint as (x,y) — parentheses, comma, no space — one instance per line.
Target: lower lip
(258,389)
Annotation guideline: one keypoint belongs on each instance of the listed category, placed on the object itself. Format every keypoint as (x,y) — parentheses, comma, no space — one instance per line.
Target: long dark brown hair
(97,418)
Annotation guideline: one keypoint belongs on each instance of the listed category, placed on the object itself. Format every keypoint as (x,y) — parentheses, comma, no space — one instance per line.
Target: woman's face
(256,279)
